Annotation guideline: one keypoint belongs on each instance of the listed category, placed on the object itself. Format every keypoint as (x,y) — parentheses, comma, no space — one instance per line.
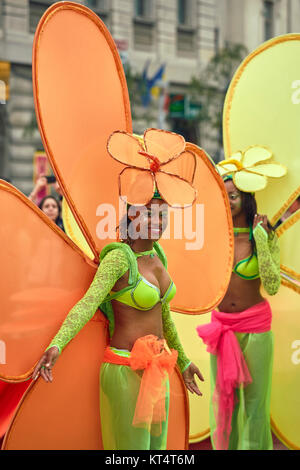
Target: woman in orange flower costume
(85,124)
(134,288)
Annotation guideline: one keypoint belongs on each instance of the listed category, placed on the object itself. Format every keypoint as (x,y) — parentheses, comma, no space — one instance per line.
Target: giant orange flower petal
(125,148)
(137,186)
(174,190)
(75,139)
(44,275)
(163,145)
(184,166)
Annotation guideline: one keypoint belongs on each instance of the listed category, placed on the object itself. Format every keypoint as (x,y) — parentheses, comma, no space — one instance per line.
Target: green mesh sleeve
(111,268)
(268,255)
(170,334)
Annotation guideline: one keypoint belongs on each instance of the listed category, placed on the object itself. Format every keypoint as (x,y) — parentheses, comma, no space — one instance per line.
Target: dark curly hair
(123,229)
(249,207)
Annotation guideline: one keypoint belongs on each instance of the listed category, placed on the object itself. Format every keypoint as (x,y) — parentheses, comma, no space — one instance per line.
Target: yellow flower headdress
(248,173)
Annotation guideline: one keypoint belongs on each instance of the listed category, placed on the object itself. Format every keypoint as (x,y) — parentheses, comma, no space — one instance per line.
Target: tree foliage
(210,87)
(136,89)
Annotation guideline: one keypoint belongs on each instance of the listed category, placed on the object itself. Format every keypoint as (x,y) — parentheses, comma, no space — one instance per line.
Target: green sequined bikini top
(246,268)
(142,294)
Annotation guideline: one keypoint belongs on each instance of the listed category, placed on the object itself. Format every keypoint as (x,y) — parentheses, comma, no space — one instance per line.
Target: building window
(269,19)
(97,4)
(36,10)
(216,40)
(101,8)
(186,31)
(182,12)
(38,7)
(143,9)
(143,25)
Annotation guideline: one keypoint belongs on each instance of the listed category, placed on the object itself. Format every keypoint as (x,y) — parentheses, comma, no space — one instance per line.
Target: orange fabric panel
(125,149)
(10,395)
(43,275)
(184,166)
(81,98)
(65,414)
(75,139)
(201,264)
(166,147)
(174,189)
(178,426)
(136,186)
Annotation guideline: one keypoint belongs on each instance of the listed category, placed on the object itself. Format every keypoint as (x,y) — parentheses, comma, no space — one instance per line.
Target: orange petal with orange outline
(124,148)
(174,190)
(137,186)
(184,166)
(163,144)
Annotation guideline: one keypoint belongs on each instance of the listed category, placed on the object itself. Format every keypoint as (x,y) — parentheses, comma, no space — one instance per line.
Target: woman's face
(235,198)
(151,221)
(50,208)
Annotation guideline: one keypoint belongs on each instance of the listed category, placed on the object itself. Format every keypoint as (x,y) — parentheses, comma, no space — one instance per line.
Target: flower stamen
(155,165)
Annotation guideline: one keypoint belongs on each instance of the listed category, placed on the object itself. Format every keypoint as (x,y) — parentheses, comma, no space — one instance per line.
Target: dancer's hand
(261,218)
(189,379)
(45,364)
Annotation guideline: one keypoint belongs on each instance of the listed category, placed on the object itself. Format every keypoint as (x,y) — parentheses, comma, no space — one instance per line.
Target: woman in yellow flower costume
(239,336)
(262,108)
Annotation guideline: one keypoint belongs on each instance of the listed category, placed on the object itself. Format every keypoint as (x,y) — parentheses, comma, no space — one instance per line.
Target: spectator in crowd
(41,183)
(51,207)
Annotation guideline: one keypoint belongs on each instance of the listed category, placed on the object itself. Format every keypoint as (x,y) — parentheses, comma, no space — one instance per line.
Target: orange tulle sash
(152,356)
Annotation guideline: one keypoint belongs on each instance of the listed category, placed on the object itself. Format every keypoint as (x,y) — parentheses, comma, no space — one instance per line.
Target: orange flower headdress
(156,161)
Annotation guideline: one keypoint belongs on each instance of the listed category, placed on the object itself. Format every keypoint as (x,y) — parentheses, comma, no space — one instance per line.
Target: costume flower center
(155,165)
(234,162)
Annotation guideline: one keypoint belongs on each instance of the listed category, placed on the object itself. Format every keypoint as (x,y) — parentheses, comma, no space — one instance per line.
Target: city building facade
(176,37)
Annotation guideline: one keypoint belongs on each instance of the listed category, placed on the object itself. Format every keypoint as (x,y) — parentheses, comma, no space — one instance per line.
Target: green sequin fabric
(111,268)
(268,255)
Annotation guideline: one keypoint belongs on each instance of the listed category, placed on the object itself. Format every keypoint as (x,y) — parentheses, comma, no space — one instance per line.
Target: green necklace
(237,230)
(152,253)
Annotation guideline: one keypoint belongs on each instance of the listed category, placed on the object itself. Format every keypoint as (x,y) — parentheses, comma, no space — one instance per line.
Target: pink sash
(232,370)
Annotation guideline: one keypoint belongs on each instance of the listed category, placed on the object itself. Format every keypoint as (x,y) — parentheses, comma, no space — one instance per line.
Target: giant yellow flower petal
(249,182)
(254,155)
(226,169)
(274,170)
(236,156)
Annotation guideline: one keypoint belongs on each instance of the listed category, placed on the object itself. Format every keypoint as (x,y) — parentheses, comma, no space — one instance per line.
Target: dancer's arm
(188,369)
(268,255)
(111,268)
(170,334)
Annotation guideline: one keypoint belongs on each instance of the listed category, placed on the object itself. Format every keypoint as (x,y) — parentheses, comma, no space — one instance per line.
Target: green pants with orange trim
(119,389)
